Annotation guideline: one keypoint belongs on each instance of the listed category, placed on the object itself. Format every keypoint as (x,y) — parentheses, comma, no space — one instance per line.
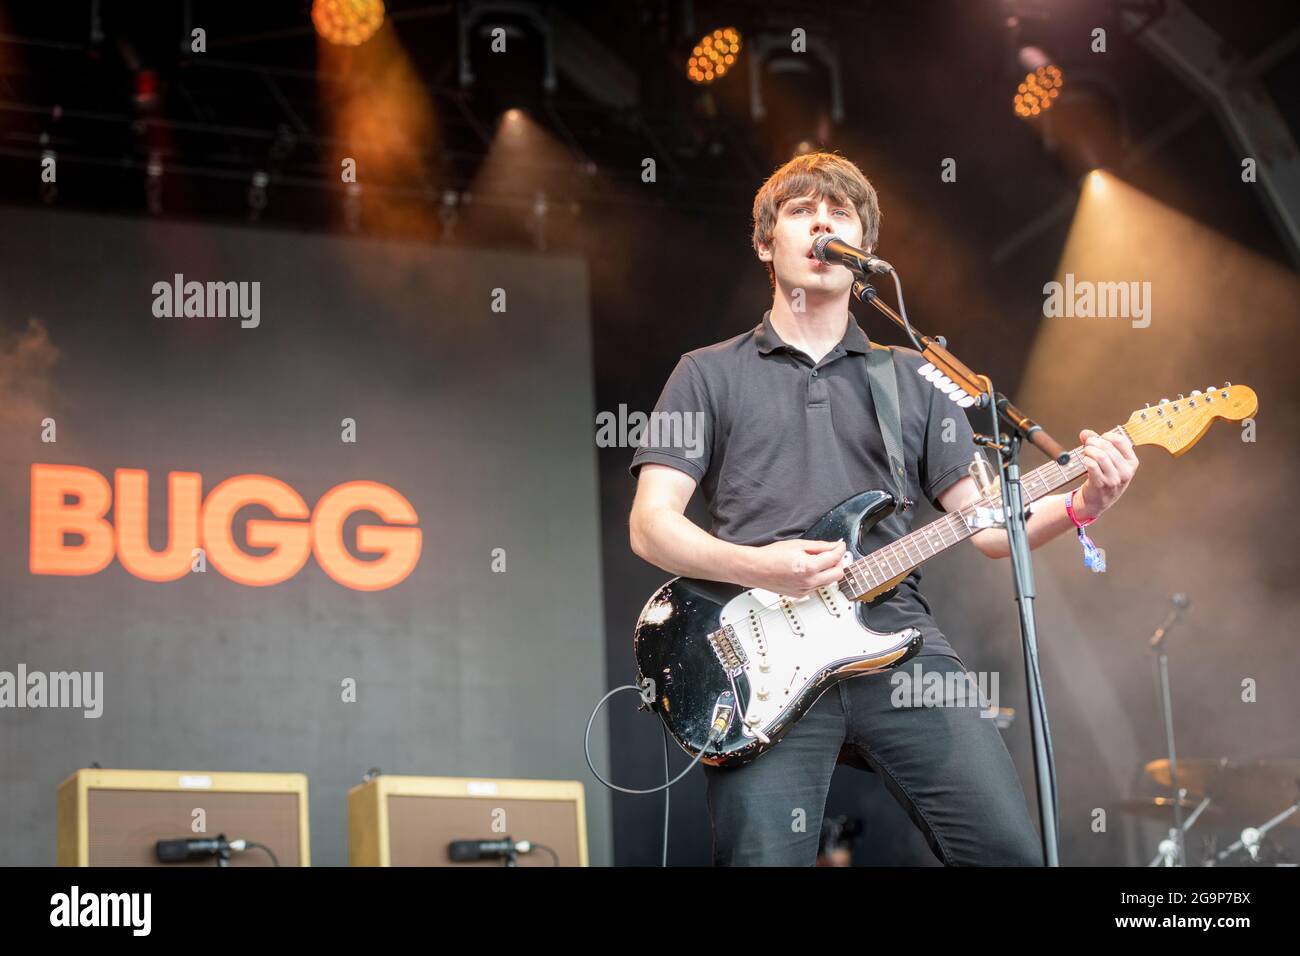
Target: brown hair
(824,175)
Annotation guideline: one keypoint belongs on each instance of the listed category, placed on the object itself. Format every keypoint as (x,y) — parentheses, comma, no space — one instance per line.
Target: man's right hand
(796,568)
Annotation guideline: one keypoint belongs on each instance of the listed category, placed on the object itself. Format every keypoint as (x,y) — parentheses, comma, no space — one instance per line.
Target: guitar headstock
(1179,424)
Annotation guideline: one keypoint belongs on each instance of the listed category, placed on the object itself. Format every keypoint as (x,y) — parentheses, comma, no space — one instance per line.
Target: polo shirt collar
(765,337)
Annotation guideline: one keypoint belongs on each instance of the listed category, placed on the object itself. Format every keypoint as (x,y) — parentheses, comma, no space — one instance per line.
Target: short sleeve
(679,432)
(949,447)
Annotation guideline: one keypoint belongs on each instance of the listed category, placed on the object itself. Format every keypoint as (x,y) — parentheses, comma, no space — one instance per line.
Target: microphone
(1181,603)
(832,250)
(182,851)
(467,851)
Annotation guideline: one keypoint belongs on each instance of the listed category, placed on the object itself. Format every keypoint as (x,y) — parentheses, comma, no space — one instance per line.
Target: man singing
(790,431)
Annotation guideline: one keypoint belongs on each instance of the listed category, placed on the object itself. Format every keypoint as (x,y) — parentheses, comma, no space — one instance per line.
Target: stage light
(1097,181)
(347,22)
(146,93)
(448,213)
(526,28)
(537,222)
(257,194)
(713,56)
(153,183)
(1041,87)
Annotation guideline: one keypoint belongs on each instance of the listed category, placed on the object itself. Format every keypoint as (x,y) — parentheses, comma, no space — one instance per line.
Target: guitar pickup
(792,616)
(828,598)
(756,626)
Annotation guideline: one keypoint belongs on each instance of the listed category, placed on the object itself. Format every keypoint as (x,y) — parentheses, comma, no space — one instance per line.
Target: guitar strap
(883,379)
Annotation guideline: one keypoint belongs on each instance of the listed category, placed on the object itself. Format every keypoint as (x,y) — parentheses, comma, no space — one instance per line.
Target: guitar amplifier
(114,817)
(409,821)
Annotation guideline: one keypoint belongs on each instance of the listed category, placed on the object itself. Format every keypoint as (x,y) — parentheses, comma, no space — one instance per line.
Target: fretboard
(901,556)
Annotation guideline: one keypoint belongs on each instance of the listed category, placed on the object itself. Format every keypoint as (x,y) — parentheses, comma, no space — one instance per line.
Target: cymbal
(1162,808)
(1254,790)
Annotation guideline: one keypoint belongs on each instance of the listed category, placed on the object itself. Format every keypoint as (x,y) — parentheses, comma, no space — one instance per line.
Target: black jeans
(947,766)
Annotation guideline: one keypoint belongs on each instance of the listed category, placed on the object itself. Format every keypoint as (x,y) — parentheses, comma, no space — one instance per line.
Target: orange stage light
(347,22)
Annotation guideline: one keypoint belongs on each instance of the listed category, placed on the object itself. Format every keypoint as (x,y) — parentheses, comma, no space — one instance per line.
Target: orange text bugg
(69,499)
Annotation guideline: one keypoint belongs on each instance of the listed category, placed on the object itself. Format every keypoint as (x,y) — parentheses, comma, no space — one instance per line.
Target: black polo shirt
(785,439)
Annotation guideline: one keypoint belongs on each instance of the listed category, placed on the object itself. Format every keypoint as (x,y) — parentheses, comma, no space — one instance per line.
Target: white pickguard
(788,642)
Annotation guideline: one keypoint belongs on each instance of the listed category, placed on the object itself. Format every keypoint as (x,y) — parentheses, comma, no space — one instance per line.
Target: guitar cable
(715,733)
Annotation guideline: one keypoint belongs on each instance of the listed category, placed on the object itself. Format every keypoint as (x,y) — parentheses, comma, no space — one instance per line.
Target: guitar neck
(896,559)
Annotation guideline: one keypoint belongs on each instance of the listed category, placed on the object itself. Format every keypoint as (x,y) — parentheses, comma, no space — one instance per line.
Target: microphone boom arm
(974,385)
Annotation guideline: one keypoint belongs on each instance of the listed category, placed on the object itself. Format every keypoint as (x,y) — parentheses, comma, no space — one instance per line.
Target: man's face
(799,222)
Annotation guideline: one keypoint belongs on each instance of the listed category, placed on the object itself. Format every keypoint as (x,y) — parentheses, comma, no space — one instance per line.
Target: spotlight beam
(1144,149)
(1192,50)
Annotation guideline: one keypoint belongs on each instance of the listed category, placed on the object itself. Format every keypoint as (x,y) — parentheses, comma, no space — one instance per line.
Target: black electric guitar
(734,668)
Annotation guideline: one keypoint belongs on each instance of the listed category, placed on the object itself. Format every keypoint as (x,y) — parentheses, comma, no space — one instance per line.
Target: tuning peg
(1227,385)
(1164,401)
(1180,396)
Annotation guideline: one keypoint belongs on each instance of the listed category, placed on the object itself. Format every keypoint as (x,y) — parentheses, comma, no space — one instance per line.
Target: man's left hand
(1111,464)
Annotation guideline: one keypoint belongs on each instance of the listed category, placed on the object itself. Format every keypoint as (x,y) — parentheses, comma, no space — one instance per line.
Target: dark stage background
(476,417)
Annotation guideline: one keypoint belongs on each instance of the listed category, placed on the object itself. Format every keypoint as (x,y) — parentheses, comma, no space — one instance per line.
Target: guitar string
(898,548)
(774,607)
(1132,430)
(966,512)
(1139,430)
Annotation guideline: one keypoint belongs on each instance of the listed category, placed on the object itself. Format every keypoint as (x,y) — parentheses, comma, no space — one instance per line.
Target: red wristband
(1069,510)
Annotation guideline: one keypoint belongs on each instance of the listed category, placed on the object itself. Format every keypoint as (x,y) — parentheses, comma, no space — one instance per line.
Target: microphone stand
(1252,837)
(1157,645)
(1020,428)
